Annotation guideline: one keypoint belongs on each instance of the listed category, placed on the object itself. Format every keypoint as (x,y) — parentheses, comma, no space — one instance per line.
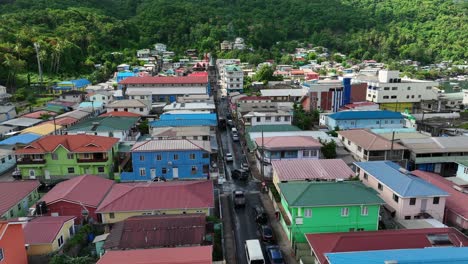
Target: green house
(58,157)
(321,207)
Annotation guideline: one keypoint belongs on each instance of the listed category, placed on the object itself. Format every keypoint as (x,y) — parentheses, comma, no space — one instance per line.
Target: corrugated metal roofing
(166,80)
(171,144)
(175,116)
(73,143)
(44,229)
(106,123)
(352,115)
(42,129)
(126,103)
(317,194)
(405,185)
(290,142)
(437,144)
(20,139)
(368,140)
(22,122)
(12,193)
(183,123)
(272,128)
(302,169)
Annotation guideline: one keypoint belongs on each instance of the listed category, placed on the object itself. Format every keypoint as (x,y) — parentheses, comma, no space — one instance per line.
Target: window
(407,217)
(380,186)
(409,88)
(87,156)
(364,210)
(19,207)
(164,170)
(465,170)
(419,96)
(141,109)
(394,88)
(352,229)
(60,241)
(412,96)
(386,88)
(428,87)
(407,97)
(258,119)
(349,142)
(71,170)
(394,97)
(436,200)
(205,155)
(12,213)
(29,198)
(395,198)
(71,231)
(195,137)
(176,156)
(366,177)
(287,118)
(385,97)
(194,169)
(306,153)
(100,169)
(268,118)
(158,157)
(54,156)
(308,213)
(278,119)
(142,158)
(192,156)
(70,156)
(412,201)
(359,149)
(142,172)
(111,215)
(344,211)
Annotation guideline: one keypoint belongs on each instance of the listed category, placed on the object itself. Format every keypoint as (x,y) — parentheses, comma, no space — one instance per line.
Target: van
(234,131)
(254,252)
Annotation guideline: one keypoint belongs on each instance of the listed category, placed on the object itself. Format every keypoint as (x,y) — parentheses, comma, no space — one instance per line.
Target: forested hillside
(76,34)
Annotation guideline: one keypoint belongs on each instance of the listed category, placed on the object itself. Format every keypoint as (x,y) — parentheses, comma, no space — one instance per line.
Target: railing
(30,161)
(92,160)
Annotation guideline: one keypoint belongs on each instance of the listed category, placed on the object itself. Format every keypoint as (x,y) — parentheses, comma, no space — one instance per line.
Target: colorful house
(12,248)
(406,196)
(79,84)
(78,197)
(321,207)
(462,171)
(169,159)
(47,234)
(365,119)
(57,157)
(178,197)
(16,197)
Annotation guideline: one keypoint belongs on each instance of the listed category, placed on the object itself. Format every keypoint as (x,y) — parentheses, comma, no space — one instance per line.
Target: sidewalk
(228,231)
(281,238)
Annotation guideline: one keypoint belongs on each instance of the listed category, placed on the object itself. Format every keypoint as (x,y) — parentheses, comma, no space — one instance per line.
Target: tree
(328,148)
(301,118)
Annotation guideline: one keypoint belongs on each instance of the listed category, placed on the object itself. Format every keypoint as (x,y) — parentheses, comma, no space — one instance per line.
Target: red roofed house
(47,234)
(16,197)
(178,197)
(12,250)
(382,240)
(65,156)
(167,89)
(456,204)
(65,121)
(290,147)
(78,197)
(155,231)
(179,255)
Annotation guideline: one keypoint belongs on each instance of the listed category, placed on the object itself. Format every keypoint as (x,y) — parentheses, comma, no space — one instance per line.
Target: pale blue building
(365,119)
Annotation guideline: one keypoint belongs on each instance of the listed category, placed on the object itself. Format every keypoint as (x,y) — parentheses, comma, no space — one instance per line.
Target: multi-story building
(122,127)
(278,117)
(136,106)
(232,79)
(58,157)
(364,119)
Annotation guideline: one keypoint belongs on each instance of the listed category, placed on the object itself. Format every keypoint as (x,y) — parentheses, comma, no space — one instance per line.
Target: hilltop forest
(74,35)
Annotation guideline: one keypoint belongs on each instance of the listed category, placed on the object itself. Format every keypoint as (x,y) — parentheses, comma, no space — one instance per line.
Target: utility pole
(37,47)
(263,158)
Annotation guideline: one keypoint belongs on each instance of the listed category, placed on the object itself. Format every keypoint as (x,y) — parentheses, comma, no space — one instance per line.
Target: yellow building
(47,234)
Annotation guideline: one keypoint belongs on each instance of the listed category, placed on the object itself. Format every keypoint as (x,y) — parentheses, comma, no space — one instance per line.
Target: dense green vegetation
(74,35)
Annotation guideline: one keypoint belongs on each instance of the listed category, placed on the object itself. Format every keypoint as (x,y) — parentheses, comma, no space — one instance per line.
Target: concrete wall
(120,216)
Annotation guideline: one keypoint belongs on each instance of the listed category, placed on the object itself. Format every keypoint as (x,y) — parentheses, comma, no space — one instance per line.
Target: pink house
(406,196)
(456,206)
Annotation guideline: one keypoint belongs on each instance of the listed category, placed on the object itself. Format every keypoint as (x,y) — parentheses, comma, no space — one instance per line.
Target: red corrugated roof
(378,240)
(88,190)
(158,196)
(199,73)
(13,192)
(166,80)
(457,201)
(301,169)
(121,113)
(368,140)
(288,142)
(178,255)
(63,121)
(37,115)
(73,143)
(44,229)
(157,231)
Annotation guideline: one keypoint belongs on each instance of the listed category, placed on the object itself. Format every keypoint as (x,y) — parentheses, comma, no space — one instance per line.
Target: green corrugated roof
(317,194)
(54,108)
(267,128)
(109,123)
(463,162)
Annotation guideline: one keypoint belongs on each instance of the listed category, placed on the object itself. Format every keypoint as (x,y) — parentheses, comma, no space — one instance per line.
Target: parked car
(238,198)
(235,137)
(228,157)
(274,254)
(230,123)
(266,233)
(239,174)
(261,218)
(245,166)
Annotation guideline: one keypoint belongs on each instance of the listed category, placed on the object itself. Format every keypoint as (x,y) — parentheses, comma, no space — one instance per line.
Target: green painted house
(321,207)
(57,157)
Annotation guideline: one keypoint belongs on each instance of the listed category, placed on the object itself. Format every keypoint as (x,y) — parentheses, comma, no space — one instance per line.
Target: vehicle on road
(235,137)
(228,157)
(239,174)
(222,123)
(274,254)
(253,251)
(266,233)
(245,166)
(238,198)
(230,123)
(261,218)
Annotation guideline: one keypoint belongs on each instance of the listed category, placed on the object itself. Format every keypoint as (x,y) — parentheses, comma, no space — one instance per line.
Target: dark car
(261,218)
(239,174)
(274,254)
(266,233)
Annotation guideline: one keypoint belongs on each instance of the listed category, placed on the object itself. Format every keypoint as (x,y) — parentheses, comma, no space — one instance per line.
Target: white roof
(22,122)
(315,134)
(188,106)
(283,92)
(126,103)
(277,113)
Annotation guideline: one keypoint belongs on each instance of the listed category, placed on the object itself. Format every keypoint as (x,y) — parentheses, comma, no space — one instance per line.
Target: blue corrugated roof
(183,123)
(68,85)
(20,139)
(432,255)
(207,116)
(405,185)
(347,115)
(95,104)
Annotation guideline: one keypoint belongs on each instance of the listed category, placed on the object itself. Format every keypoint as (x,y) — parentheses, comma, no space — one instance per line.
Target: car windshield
(276,256)
(267,231)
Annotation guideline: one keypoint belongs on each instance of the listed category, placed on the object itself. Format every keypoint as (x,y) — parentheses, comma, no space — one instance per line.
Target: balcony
(103,159)
(28,161)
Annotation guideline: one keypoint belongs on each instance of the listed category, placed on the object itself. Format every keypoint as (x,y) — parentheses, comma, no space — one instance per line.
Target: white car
(229,157)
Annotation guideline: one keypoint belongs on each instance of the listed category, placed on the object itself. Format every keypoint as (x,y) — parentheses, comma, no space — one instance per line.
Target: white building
(160,48)
(143,53)
(144,96)
(239,44)
(232,79)
(390,88)
(200,106)
(3,93)
(132,105)
(267,118)
(102,96)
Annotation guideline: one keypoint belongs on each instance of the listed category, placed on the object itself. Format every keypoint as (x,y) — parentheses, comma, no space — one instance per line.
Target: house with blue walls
(169,159)
(122,76)
(365,119)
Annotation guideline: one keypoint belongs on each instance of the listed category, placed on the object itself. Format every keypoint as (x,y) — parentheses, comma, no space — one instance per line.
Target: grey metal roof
(22,122)
(437,144)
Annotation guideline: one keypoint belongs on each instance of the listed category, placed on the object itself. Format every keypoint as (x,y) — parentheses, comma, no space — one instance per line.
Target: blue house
(169,159)
(122,76)
(365,119)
